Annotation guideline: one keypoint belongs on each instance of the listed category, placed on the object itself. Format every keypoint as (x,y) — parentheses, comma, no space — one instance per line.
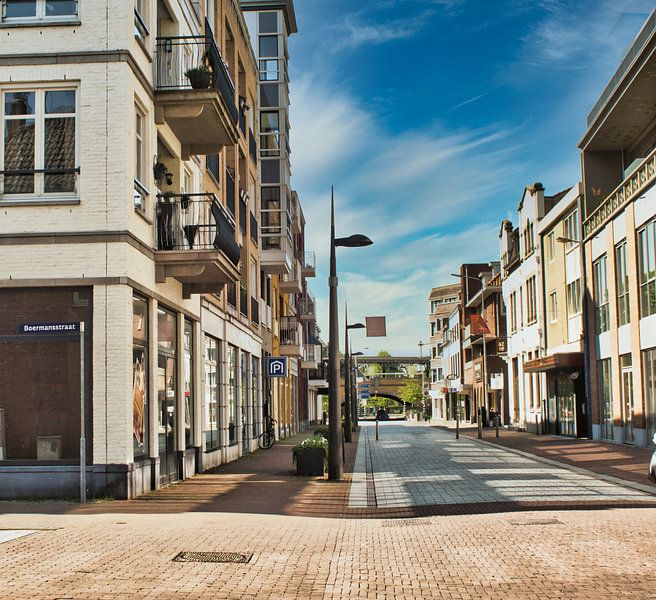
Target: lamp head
(353,241)
(356,326)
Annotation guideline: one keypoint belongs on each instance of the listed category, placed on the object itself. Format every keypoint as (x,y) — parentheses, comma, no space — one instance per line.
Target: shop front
(564,410)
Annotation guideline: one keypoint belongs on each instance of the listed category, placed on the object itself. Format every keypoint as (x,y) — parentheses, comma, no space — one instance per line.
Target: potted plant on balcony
(200,77)
(311,455)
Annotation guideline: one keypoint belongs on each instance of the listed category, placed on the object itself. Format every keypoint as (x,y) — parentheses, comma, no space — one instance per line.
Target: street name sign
(48,328)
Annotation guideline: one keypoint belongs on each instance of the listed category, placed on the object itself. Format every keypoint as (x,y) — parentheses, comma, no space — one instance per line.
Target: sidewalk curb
(580,470)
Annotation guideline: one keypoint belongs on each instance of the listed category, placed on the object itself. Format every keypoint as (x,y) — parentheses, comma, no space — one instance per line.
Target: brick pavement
(616,460)
(302,548)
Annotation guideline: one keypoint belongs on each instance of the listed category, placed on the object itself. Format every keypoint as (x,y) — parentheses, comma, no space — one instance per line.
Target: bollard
(480,424)
(497,424)
(458,427)
(537,430)
(376,429)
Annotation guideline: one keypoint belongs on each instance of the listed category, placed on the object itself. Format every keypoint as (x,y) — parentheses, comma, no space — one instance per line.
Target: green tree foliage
(411,393)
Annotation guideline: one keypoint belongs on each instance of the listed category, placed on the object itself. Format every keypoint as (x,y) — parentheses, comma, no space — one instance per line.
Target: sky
(430,117)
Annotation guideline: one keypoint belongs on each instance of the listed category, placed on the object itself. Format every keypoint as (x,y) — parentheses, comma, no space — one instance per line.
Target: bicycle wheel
(266,440)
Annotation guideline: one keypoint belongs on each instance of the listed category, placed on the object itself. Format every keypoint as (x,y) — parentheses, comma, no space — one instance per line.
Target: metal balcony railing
(309,261)
(306,307)
(290,332)
(178,57)
(293,276)
(195,222)
(312,353)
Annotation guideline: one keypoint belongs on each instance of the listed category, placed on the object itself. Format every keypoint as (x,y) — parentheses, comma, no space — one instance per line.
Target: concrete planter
(310,462)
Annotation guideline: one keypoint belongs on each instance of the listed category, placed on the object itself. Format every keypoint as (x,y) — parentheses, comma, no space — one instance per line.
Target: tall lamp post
(348,403)
(335,462)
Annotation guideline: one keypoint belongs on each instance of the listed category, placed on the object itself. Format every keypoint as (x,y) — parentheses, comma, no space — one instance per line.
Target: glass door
(627,398)
(166,394)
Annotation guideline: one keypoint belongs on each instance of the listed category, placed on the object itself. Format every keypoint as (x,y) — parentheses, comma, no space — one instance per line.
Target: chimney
(538,192)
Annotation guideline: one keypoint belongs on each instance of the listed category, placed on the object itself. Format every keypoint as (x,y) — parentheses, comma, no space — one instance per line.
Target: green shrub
(316,441)
(321,430)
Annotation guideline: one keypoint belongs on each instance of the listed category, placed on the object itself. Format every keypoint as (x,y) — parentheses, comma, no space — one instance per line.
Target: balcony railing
(308,266)
(195,222)
(178,56)
(290,333)
(306,308)
(629,189)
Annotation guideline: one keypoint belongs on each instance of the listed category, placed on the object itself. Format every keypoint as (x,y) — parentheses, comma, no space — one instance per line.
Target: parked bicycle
(268,436)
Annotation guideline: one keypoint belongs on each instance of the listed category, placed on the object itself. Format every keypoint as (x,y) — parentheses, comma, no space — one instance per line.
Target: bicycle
(268,437)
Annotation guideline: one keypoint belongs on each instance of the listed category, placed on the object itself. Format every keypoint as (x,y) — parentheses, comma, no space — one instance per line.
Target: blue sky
(430,117)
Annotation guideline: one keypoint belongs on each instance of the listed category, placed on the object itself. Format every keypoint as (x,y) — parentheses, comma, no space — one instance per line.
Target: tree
(411,393)
(386,367)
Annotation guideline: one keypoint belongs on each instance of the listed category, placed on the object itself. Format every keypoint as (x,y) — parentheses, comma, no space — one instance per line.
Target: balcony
(307,310)
(290,283)
(276,253)
(632,187)
(291,337)
(308,266)
(296,214)
(194,93)
(195,243)
(311,357)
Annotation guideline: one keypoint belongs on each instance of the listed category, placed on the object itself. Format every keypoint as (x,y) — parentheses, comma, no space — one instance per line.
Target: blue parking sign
(277,366)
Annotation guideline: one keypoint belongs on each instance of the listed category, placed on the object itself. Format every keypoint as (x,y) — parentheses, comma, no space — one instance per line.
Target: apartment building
(619,240)
(285,264)
(484,341)
(564,407)
(452,364)
(522,289)
(441,301)
(129,195)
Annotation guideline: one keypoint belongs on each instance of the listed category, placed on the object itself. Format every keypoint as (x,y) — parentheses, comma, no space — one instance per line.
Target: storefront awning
(571,360)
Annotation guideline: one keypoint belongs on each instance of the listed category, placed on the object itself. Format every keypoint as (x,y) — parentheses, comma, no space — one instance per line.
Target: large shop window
(649,376)
(40,375)
(246,406)
(140,377)
(255,391)
(605,397)
(25,11)
(212,391)
(189,383)
(233,390)
(39,149)
(647,269)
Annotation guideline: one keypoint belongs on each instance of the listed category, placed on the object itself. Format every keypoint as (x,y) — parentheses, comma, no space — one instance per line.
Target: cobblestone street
(579,542)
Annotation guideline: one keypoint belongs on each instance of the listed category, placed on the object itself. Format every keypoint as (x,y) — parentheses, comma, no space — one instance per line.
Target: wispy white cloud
(358,32)
(468,101)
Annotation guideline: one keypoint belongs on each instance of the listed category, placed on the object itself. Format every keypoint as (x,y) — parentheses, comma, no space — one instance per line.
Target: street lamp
(348,423)
(335,460)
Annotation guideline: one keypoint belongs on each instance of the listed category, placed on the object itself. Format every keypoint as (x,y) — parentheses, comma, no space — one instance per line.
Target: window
(529,242)
(188,383)
(233,390)
(255,391)
(433,328)
(622,282)
(647,269)
(140,19)
(140,190)
(553,307)
(601,295)
(213,165)
(269,22)
(550,247)
(38,10)
(269,46)
(140,402)
(270,171)
(212,391)
(513,312)
(571,229)
(574,298)
(649,376)
(531,307)
(39,149)
(269,134)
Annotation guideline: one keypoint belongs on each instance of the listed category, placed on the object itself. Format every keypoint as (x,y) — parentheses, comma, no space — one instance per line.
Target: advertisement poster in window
(138,394)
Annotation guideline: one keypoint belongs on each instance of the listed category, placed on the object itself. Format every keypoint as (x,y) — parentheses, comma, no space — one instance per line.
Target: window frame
(40,17)
(645,280)
(39,117)
(531,300)
(602,308)
(553,307)
(574,304)
(622,289)
(571,229)
(141,191)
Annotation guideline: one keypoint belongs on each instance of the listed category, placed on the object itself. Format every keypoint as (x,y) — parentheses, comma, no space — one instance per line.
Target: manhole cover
(214,557)
(537,522)
(405,523)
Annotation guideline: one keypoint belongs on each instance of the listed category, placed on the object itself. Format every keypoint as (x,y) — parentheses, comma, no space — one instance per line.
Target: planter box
(310,462)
